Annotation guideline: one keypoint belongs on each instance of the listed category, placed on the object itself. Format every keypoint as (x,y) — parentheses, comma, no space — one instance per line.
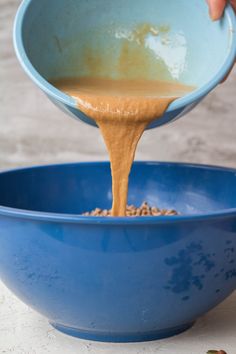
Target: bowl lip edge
(94,220)
(57,95)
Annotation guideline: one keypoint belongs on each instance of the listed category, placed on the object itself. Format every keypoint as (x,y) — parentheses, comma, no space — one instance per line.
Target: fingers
(216,8)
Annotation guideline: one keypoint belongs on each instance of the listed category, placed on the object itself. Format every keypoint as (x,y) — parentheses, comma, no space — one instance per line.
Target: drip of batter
(122,109)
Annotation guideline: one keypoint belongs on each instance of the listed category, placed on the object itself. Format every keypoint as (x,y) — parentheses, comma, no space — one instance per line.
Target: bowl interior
(77,188)
(154,39)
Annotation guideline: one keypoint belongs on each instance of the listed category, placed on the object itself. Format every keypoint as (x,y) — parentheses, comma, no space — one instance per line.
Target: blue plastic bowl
(119,279)
(52,37)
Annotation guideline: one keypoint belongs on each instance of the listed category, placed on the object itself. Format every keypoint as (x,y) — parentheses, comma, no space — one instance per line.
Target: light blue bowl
(51,38)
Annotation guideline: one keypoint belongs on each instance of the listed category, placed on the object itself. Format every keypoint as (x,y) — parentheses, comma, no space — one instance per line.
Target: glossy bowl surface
(69,38)
(119,279)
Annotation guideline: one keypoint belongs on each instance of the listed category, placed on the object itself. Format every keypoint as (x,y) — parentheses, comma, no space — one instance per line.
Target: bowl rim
(95,220)
(56,94)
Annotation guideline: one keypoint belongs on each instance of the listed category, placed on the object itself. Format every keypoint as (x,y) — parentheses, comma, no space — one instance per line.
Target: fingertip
(216,8)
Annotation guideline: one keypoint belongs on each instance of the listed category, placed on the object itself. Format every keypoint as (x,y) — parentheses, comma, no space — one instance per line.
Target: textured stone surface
(33,131)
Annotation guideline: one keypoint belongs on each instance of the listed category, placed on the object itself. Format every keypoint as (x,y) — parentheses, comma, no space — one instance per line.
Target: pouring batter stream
(122,110)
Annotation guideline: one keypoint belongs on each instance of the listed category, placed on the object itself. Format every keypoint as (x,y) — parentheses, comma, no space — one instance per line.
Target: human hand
(216,7)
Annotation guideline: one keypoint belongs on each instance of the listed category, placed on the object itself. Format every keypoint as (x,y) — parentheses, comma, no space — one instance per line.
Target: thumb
(216,8)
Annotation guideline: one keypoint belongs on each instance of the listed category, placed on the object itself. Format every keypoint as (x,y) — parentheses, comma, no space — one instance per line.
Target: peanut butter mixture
(124,102)
(122,109)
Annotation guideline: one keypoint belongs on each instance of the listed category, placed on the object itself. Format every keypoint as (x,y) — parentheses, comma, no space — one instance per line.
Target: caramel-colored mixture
(119,89)
(122,109)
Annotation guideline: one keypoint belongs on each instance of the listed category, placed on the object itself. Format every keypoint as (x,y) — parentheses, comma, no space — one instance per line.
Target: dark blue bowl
(119,279)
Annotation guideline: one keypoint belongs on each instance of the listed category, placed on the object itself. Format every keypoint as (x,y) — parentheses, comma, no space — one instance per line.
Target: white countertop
(33,131)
